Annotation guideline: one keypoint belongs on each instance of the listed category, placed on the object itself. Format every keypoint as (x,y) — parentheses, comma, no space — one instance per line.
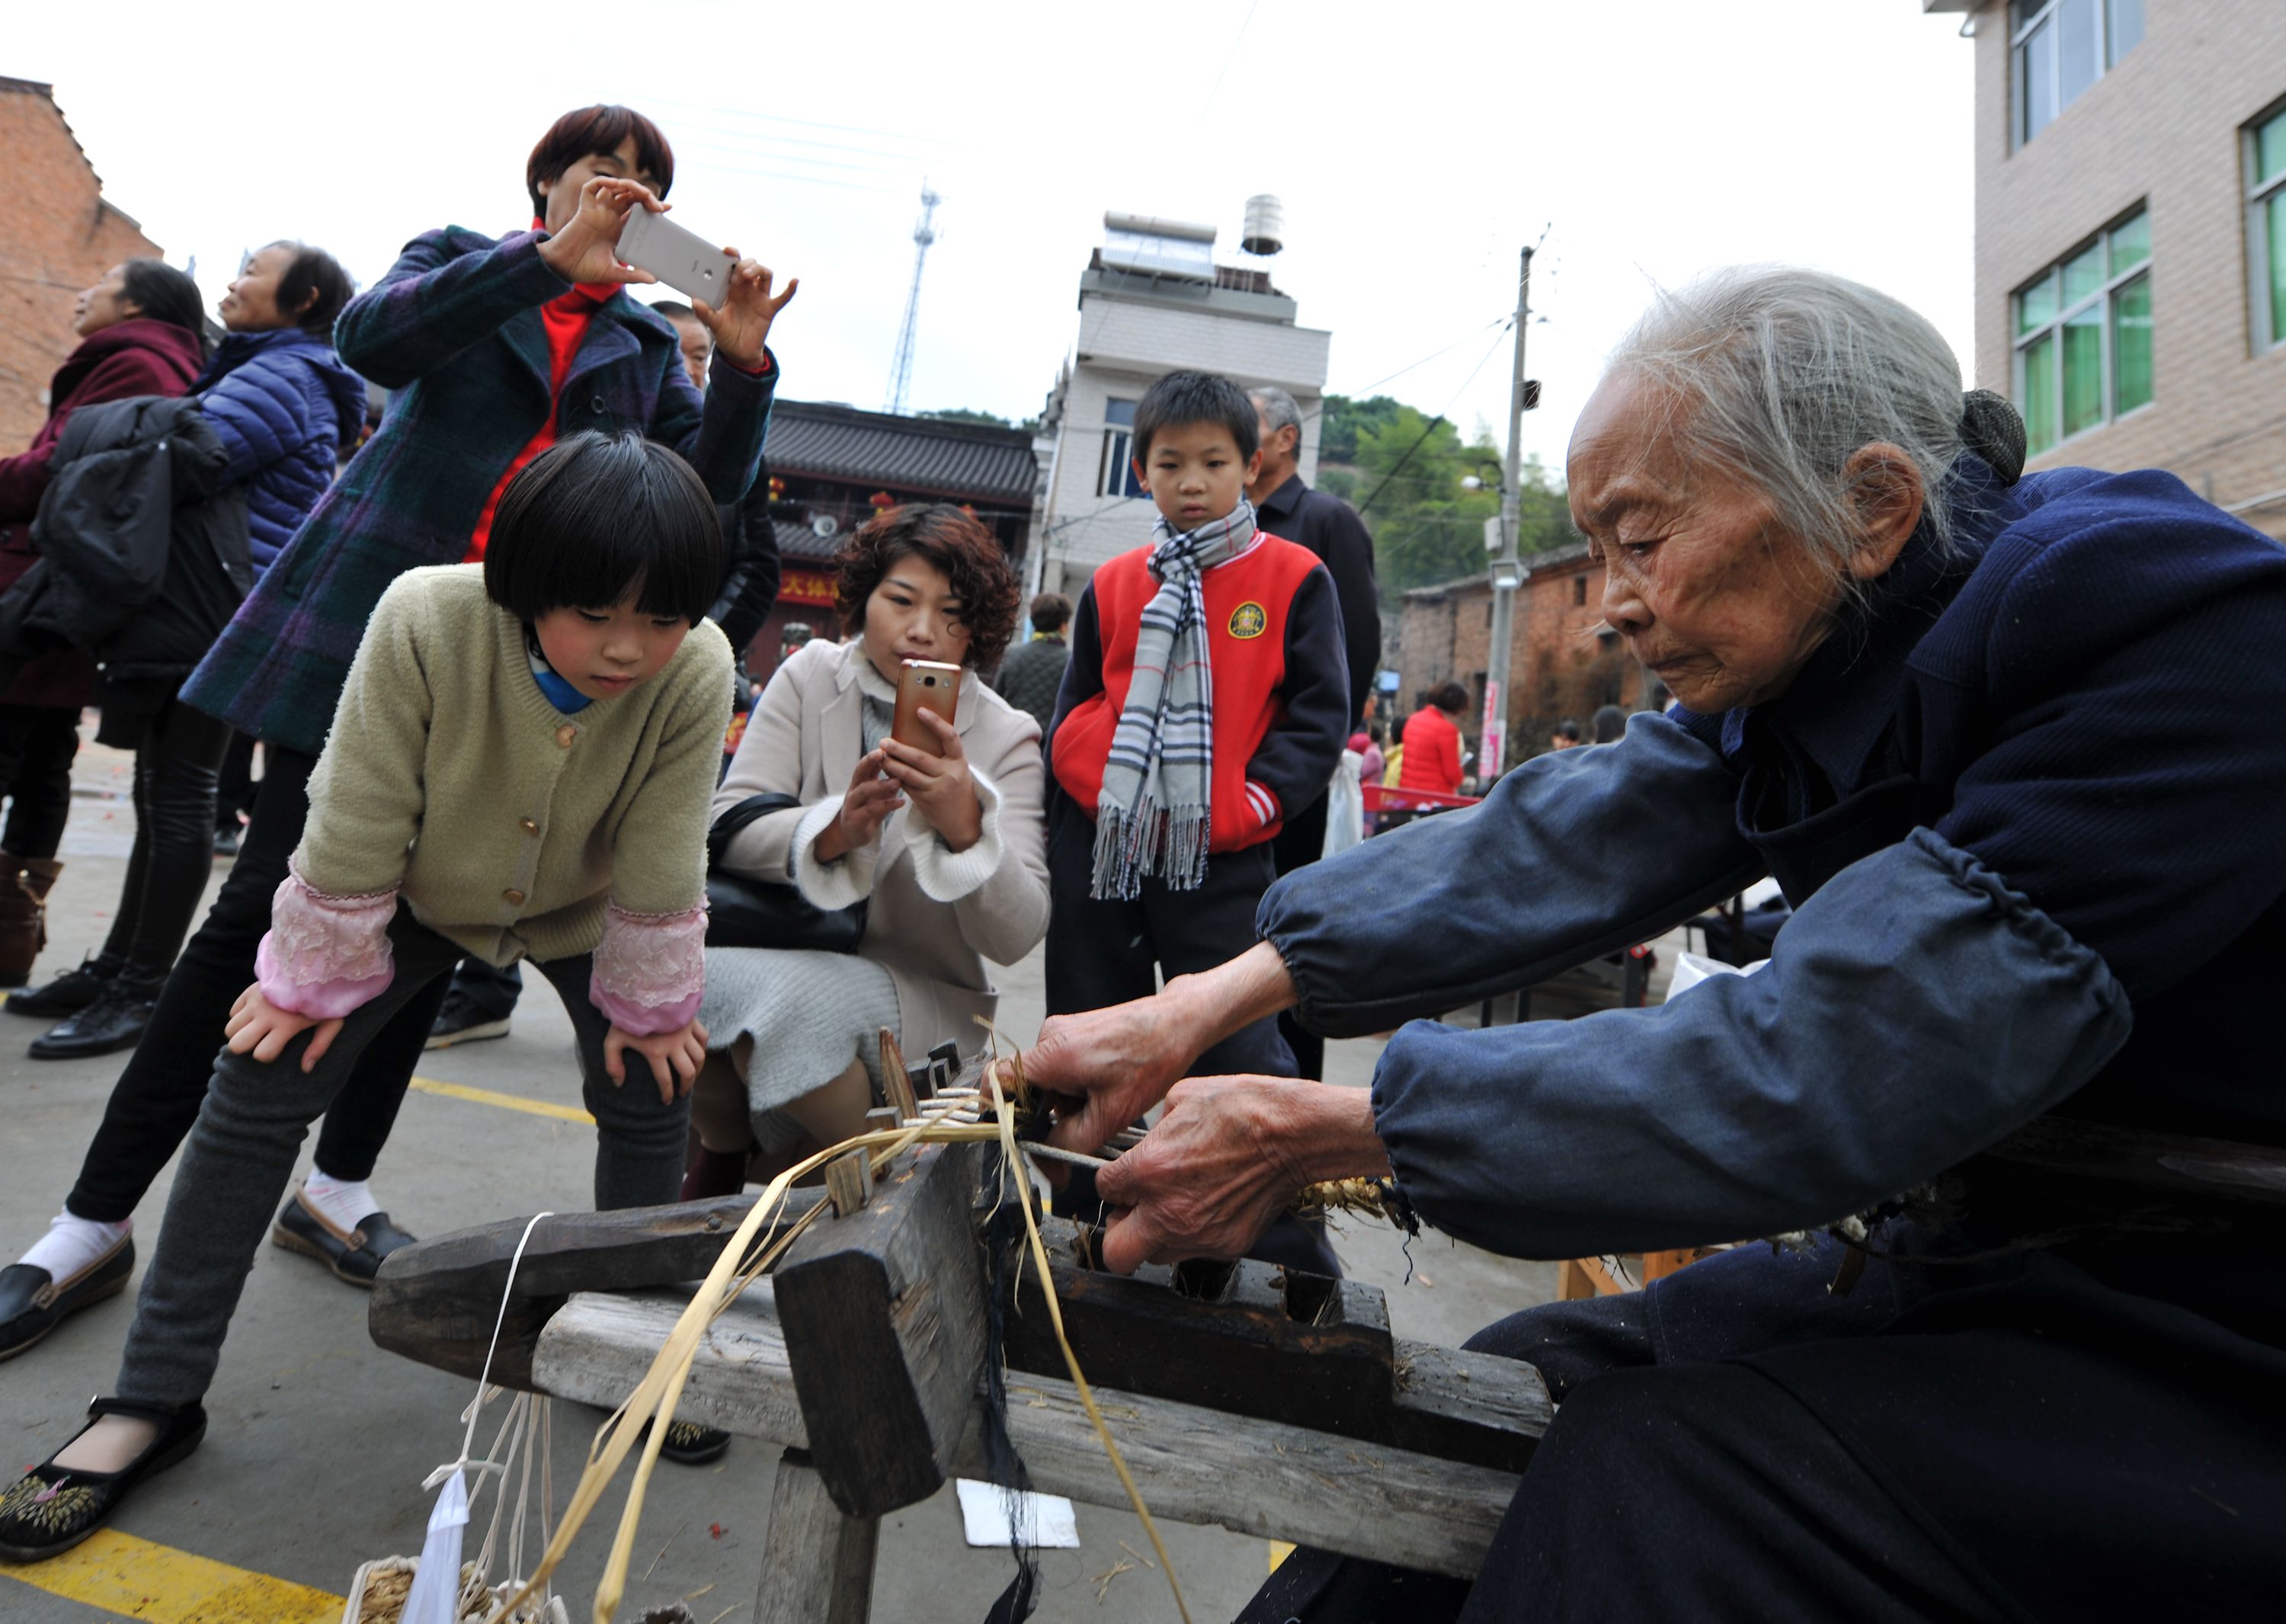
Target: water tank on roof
(1265,224)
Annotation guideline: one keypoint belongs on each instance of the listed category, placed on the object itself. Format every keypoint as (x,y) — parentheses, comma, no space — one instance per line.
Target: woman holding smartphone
(942,843)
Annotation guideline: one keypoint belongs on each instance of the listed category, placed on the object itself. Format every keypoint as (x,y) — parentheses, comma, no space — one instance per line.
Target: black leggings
(37,742)
(157,1097)
(177,760)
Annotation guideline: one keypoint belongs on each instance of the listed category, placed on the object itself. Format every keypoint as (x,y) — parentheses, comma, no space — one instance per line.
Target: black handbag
(744,913)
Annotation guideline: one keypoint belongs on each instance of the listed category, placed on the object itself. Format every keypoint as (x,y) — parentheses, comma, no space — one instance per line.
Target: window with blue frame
(1116,476)
(2266,225)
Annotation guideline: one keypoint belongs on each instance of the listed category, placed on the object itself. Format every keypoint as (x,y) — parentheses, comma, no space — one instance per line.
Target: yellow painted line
(1279,1551)
(139,1579)
(507,1102)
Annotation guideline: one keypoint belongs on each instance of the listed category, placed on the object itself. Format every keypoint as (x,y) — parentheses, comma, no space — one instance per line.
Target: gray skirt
(803,1017)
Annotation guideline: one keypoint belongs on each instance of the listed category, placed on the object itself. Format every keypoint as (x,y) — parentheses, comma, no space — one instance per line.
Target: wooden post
(896,1082)
(848,1181)
(817,1565)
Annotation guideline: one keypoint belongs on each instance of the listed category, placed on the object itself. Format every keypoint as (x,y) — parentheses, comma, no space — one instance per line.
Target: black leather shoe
(353,1255)
(69,993)
(32,1304)
(113,1022)
(50,1508)
(688,1443)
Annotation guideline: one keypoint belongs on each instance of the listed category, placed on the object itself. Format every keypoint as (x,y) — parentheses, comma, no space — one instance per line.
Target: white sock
(71,1244)
(345,1202)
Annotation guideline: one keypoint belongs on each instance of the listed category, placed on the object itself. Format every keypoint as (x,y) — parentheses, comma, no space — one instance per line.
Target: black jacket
(143,544)
(1331,528)
(751,569)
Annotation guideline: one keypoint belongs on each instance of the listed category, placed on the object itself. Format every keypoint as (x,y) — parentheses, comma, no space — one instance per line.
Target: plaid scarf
(1153,815)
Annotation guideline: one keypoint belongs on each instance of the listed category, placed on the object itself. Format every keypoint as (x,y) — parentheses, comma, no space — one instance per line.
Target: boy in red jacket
(1207,692)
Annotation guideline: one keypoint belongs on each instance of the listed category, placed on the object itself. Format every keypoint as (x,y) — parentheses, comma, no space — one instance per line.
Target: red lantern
(881,500)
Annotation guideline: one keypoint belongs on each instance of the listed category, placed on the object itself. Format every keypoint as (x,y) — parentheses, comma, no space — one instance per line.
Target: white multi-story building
(1153,301)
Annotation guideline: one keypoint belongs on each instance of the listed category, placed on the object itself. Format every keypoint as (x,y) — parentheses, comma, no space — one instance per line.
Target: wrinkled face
(697,349)
(1280,446)
(562,194)
(604,652)
(251,304)
(914,614)
(1709,592)
(104,305)
(1195,473)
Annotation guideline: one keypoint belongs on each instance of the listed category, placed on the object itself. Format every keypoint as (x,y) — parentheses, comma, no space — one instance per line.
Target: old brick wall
(61,237)
(1562,659)
(2163,128)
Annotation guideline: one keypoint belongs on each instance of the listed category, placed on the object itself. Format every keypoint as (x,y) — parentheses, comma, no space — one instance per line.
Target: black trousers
(2011,1439)
(490,988)
(178,758)
(1102,952)
(234,789)
(37,742)
(1301,842)
(158,1095)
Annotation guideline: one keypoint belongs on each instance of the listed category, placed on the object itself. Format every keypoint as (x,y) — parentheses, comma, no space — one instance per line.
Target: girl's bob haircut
(597,516)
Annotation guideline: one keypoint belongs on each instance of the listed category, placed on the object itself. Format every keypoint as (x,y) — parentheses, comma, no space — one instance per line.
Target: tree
(1426,495)
(988,420)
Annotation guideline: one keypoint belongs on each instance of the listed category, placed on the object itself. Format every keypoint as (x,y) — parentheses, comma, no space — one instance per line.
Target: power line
(1435,423)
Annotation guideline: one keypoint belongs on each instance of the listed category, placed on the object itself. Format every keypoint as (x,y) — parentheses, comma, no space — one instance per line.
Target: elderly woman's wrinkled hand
(586,250)
(943,791)
(1107,1067)
(1229,1156)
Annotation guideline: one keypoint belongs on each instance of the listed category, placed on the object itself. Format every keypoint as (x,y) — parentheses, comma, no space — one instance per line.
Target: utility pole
(900,369)
(1507,567)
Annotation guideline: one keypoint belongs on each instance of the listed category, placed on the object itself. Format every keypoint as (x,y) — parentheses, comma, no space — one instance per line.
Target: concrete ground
(319,1442)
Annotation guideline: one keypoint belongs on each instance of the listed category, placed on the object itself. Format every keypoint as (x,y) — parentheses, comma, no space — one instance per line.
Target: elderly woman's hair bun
(1994,430)
(1780,374)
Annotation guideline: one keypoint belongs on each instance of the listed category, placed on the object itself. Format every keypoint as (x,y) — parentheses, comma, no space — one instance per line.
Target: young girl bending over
(520,767)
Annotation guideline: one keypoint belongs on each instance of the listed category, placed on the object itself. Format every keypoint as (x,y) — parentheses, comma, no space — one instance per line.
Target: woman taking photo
(139,334)
(944,846)
(281,403)
(492,347)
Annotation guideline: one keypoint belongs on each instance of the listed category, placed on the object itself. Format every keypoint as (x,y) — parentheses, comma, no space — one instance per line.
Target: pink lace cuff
(324,956)
(651,969)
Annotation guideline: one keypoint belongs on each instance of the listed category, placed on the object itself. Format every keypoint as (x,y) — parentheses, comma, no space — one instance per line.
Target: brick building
(1153,299)
(1563,660)
(2130,235)
(61,237)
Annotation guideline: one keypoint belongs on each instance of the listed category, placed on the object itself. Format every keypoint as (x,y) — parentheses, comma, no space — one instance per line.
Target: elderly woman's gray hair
(1279,410)
(1782,374)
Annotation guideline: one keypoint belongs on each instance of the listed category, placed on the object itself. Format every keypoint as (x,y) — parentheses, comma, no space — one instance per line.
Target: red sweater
(1281,684)
(1432,752)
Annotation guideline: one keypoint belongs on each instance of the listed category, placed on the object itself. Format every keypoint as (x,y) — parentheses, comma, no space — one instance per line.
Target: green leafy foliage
(1410,476)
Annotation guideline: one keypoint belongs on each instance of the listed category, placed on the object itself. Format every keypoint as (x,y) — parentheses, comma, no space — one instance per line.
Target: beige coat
(935,916)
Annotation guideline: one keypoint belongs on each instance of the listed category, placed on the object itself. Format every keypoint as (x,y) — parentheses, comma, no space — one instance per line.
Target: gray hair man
(1284,505)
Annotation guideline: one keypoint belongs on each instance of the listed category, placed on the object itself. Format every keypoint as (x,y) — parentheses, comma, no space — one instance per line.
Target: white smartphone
(683,259)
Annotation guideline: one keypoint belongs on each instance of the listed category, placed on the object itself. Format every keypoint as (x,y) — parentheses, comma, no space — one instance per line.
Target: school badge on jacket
(1248,622)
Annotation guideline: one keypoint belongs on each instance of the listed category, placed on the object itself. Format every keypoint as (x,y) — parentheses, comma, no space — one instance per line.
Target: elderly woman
(2013,748)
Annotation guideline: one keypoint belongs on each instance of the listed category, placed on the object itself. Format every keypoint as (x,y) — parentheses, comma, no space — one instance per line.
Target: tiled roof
(800,541)
(908,455)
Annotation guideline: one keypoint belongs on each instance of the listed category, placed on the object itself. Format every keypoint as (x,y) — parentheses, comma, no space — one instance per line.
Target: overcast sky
(1416,147)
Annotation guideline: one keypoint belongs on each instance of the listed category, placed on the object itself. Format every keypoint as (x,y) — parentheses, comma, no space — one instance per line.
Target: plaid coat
(454,329)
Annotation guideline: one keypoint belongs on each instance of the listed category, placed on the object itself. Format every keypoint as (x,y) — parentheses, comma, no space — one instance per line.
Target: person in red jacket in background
(141,334)
(1432,742)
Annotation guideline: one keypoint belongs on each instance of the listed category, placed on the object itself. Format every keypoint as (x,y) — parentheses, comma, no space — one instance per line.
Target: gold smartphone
(924,685)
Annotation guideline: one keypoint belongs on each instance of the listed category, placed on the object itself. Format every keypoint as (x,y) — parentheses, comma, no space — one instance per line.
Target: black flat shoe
(50,1508)
(688,1443)
(69,993)
(32,1304)
(353,1255)
(114,1021)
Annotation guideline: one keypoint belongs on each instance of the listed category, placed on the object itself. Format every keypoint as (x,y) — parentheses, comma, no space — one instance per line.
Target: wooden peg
(897,1082)
(848,1182)
(881,1117)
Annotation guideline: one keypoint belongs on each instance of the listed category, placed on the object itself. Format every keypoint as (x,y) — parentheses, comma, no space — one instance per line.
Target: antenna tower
(900,369)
